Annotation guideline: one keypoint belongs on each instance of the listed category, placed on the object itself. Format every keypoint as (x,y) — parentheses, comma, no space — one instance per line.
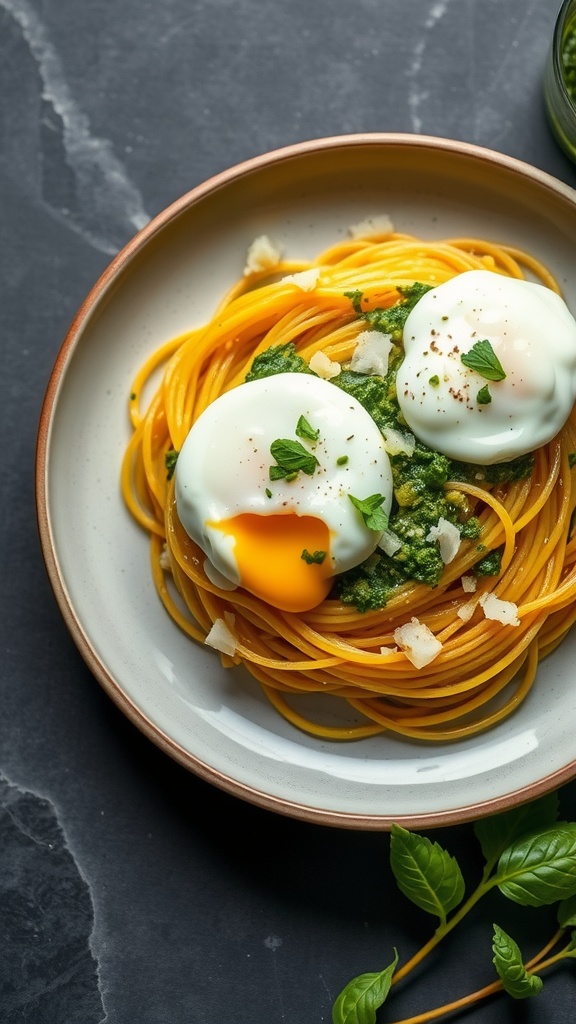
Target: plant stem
(536,964)
(537,959)
(457,1004)
(441,931)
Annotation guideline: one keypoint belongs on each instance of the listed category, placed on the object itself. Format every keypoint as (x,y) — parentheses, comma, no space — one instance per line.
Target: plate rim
(282,805)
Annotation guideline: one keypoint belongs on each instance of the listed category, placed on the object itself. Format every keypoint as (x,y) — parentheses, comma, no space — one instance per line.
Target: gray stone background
(130,891)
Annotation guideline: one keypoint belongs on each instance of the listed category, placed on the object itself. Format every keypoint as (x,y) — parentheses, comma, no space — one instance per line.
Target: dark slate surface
(130,891)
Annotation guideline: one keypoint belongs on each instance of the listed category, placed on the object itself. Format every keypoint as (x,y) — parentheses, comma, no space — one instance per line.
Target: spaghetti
(484,668)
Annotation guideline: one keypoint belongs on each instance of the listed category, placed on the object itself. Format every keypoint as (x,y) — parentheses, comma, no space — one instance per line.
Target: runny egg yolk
(282,533)
(270,554)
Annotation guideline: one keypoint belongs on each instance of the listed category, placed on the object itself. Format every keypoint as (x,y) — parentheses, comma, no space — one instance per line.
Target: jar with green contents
(560,79)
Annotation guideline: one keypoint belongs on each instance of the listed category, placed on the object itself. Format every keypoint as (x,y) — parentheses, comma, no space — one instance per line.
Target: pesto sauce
(420,496)
(569,60)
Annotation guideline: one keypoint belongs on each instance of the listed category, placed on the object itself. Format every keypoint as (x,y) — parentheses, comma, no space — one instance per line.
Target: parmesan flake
(418,642)
(390,543)
(323,366)
(305,279)
(165,562)
(448,537)
(469,584)
(372,227)
(397,442)
(495,608)
(261,255)
(466,610)
(371,353)
(221,636)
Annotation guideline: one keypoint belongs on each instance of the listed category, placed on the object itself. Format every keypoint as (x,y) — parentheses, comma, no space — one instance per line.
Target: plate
(169,278)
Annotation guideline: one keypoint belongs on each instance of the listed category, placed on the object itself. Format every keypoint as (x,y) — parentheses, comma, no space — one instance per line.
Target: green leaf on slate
(359,1000)
(497,832)
(517,981)
(428,875)
(540,868)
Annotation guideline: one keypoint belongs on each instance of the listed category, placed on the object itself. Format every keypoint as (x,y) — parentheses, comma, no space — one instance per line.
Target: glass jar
(560,79)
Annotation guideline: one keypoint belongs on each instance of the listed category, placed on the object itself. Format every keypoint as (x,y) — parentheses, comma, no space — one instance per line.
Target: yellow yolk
(268,552)
(252,522)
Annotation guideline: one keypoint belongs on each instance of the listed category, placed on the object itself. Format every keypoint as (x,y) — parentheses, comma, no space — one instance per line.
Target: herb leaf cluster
(529,856)
(419,479)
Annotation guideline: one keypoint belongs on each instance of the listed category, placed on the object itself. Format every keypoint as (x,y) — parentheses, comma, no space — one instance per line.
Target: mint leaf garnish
(316,558)
(484,397)
(484,360)
(371,511)
(291,458)
(305,431)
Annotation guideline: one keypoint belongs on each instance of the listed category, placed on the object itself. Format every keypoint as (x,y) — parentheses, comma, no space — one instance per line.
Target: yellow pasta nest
(484,668)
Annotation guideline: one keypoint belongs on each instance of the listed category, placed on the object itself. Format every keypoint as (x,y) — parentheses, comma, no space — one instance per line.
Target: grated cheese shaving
(469,584)
(372,227)
(261,255)
(165,562)
(323,366)
(221,636)
(371,353)
(466,611)
(398,443)
(448,537)
(495,608)
(418,642)
(304,279)
(390,543)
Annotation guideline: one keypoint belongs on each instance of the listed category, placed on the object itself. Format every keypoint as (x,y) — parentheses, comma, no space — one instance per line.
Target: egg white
(533,335)
(223,467)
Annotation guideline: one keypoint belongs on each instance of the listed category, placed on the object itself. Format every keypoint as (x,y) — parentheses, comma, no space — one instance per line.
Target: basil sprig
(291,458)
(529,857)
(305,431)
(314,557)
(371,511)
(482,358)
(484,397)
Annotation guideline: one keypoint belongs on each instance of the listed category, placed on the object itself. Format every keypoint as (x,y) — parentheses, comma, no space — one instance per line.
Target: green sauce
(419,479)
(569,59)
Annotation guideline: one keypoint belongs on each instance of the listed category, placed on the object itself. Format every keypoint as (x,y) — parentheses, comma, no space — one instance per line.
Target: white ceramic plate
(170,277)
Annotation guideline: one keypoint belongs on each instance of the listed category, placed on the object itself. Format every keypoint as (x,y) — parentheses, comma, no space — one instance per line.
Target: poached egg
(282,537)
(450,390)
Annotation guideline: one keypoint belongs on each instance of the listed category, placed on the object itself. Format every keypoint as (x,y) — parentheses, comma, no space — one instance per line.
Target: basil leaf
(540,868)
(484,397)
(371,511)
(425,873)
(497,832)
(317,557)
(482,358)
(292,457)
(517,981)
(305,431)
(359,1000)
